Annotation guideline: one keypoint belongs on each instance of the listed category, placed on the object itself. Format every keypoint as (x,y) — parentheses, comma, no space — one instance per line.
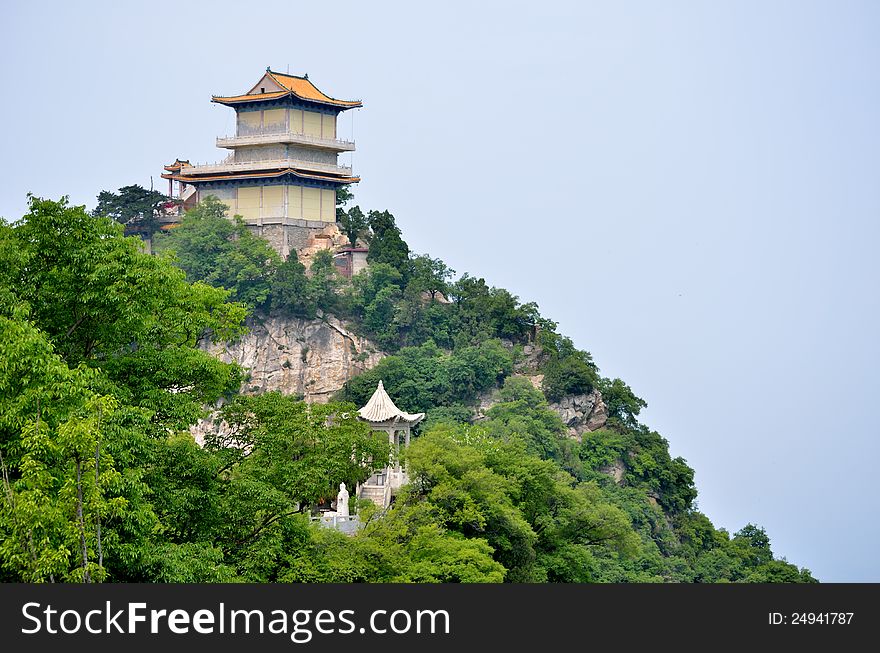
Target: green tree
(53,475)
(353,223)
(133,206)
(425,377)
(404,546)
(567,371)
(533,515)
(482,312)
(324,282)
(522,413)
(222,252)
(278,457)
(119,368)
(622,403)
(290,293)
(430,275)
(343,197)
(386,245)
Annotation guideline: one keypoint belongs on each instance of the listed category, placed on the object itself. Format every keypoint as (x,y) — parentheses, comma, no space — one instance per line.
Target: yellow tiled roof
(177,165)
(299,87)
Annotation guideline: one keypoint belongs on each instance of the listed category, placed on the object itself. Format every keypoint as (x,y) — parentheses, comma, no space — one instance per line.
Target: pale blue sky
(689,188)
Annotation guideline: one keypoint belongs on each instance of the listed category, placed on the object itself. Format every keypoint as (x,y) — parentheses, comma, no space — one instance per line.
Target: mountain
(530,466)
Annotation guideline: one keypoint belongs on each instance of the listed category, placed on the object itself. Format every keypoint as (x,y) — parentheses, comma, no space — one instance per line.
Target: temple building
(282,172)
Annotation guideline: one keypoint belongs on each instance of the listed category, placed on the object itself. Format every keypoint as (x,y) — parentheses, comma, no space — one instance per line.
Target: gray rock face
(294,356)
(617,470)
(581,413)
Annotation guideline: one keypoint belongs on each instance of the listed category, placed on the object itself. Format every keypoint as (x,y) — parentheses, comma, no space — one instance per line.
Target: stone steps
(375,493)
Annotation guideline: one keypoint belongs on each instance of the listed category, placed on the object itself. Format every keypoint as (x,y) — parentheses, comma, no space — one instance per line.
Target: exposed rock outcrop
(581,413)
(312,358)
(617,470)
(532,358)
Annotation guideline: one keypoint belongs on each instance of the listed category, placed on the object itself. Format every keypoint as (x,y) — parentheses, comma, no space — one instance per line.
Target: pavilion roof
(177,165)
(288,85)
(380,408)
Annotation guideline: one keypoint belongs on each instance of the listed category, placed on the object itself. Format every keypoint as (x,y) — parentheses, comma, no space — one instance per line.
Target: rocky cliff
(311,358)
(580,413)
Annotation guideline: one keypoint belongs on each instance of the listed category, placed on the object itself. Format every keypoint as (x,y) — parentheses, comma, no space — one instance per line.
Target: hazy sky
(689,188)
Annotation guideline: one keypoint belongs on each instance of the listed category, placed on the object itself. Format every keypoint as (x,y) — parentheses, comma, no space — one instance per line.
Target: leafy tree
(343,197)
(753,544)
(210,247)
(289,293)
(379,317)
(483,312)
(323,284)
(529,512)
(53,475)
(522,414)
(386,245)
(353,223)
(130,314)
(670,479)
(280,456)
(603,447)
(425,377)
(622,404)
(405,546)
(567,370)
(430,275)
(117,350)
(133,206)
(779,571)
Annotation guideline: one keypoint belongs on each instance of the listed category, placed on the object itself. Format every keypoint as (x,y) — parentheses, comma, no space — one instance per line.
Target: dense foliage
(102,376)
(133,206)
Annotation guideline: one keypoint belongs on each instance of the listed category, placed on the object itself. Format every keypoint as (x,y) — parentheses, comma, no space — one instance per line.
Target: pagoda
(282,172)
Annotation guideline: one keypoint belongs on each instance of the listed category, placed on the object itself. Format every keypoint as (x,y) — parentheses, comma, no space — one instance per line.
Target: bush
(425,377)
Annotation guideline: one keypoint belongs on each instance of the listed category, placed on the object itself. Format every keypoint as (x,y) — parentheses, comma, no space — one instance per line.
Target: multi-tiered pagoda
(282,173)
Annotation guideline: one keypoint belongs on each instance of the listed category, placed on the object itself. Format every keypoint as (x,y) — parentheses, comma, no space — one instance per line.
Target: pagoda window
(275,120)
(311,123)
(328,126)
(294,201)
(273,201)
(296,121)
(311,204)
(328,205)
(249,202)
(225,195)
(249,122)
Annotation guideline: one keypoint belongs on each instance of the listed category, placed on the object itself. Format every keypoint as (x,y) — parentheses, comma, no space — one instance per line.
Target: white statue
(342,501)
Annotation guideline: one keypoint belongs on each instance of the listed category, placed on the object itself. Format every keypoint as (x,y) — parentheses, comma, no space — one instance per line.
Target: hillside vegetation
(102,375)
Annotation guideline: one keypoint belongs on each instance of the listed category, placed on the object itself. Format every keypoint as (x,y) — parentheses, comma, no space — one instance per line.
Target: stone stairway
(375,493)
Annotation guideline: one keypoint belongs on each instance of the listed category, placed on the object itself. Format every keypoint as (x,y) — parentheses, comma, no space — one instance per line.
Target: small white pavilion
(382,415)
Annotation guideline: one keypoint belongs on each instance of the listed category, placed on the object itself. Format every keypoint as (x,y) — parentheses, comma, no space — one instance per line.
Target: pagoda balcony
(266,164)
(271,137)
